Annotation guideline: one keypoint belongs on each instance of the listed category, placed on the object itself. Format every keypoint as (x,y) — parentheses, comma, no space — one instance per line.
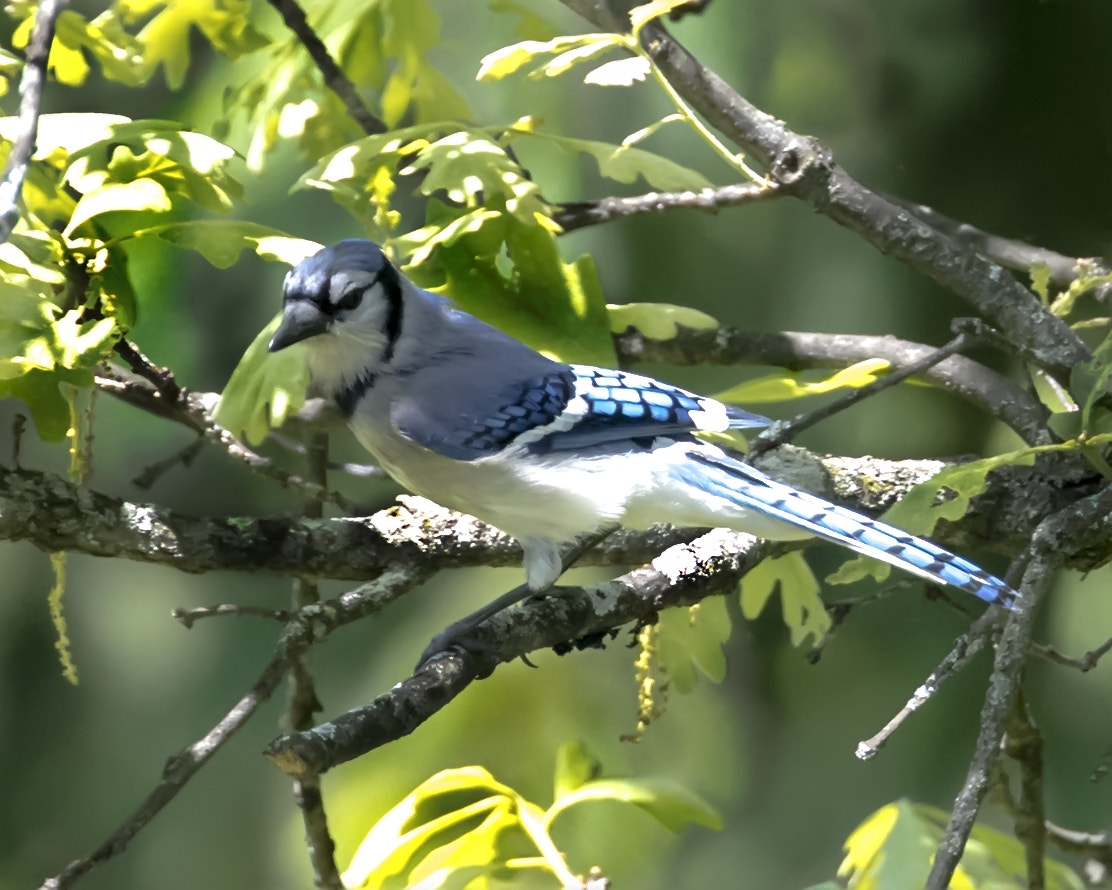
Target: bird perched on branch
(464,414)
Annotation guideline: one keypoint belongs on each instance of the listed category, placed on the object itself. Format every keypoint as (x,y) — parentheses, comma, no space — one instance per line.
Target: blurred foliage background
(997,113)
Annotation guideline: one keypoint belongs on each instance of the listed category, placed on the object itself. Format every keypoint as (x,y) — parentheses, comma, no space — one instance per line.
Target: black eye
(351,299)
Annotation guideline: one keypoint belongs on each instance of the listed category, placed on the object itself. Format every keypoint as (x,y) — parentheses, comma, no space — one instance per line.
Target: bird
(549,452)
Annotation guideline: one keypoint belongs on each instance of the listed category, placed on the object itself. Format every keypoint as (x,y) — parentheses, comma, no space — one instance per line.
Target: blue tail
(743,485)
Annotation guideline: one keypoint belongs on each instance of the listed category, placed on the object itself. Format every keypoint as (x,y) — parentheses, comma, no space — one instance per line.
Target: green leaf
(691,641)
(508,59)
(575,766)
(657,321)
(672,805)
(553,306)
(783,386)
(182,162)
(222,241)
(1040,281)
(140,194)
(626,163)
(265,388)
(803,609)
(894,848)
(1050,392)
(39,391)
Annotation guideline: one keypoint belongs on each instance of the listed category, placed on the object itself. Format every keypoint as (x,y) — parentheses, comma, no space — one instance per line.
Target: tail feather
(747,487)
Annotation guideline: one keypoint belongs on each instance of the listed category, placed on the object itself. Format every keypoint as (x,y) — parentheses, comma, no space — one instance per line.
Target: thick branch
(804,168)
(56,515)
(683,575)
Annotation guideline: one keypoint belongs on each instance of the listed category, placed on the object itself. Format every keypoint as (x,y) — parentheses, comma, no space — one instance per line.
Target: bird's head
(345,304)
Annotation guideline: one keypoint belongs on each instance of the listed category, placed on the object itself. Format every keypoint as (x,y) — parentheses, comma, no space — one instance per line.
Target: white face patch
(342,284)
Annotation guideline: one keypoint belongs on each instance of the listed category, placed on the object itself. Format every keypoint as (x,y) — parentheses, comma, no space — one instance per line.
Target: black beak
(301,320)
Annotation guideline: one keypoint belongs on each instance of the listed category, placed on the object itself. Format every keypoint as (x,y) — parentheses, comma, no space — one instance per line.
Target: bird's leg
(460,633)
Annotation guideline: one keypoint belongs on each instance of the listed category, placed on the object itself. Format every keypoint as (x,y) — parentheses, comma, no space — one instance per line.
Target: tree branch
(797,351)
(334,78)
(58,516)
(1050,548)
(31,86)
(579,214)
(680,576)
(312,624)
(804,167)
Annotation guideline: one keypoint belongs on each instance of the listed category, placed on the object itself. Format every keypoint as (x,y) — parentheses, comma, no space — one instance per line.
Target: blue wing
(563,408)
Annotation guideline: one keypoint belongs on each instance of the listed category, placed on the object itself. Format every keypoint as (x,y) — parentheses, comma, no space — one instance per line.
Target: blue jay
(464,414)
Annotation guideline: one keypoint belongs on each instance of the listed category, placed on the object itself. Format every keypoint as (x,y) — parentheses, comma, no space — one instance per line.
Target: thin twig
(31,86)
(302,704)
(334,78)
(782,431)
(188,617)
(311,625)
(1083,663)
(579,214)
(965,647)
(801,350)
(191,411)
(1053,541)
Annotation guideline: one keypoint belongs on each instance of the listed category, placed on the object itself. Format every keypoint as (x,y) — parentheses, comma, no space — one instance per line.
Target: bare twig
(31,86)
(334,78)
(191,410)
(302,703)
(188,617)
(579,214)
(1083,663)
(312,624)
(782,431)
(965,648)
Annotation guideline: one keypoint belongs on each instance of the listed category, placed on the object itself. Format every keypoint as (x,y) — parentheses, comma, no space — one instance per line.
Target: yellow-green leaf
(803,610)
(657,321)
(619,73)
(141,194)
(508,59)
(265,388)
(783,386)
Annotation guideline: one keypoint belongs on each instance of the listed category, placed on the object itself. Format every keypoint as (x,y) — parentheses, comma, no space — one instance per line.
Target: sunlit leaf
(508,59)
(619,73)
(140,194)
(222,241)
(657,321)
(785,385)
(641,15)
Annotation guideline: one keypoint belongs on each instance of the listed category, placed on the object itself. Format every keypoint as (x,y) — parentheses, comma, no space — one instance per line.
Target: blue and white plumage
(461,413)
